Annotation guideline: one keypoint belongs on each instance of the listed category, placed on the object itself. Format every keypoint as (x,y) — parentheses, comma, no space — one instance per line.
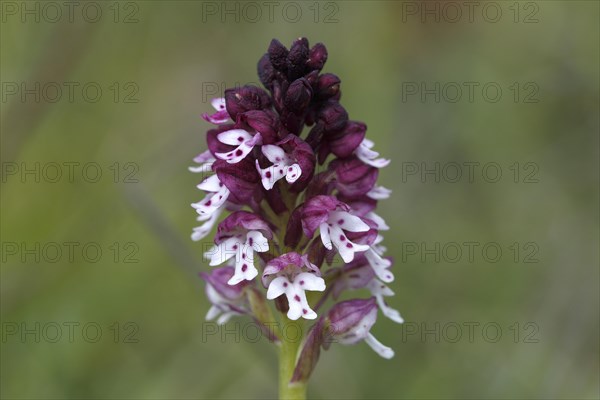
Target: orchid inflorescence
(295,218)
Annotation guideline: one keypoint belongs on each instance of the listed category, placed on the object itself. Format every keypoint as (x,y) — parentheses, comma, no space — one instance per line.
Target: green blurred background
(169,57)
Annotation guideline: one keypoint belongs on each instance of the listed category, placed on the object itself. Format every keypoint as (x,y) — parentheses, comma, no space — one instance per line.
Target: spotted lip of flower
(333,219)
(292,274)
(226,300)
(221,116)
(351,321)
(294,160)
(240,235)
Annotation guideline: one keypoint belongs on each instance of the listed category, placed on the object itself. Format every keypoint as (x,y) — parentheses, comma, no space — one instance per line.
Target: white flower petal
(293,172)
(381,225)
(270,175)
(380,266)
(244,268)
(218,103)
(277,287)
(234,137)
(210,184)
(256,241)
(275,154)
(348,222)
(345,247)
(379,193)
(379,348)
(223,251)
(325,236)
(308,281)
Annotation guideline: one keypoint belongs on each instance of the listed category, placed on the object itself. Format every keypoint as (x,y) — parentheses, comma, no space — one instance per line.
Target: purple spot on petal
(281,171)
(208,203)
(341,221)
(285,284)
(297,298)
(342,238)
(240,139)
(238,152)
(250,241)
(235,247)
(244,268)
(349,245)
(302,282)
(304,311)
(268,174)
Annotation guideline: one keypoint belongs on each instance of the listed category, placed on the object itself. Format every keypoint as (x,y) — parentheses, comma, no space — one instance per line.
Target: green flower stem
(291,339)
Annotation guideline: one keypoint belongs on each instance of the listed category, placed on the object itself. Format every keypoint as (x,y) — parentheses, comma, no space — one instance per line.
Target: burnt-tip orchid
(293,181)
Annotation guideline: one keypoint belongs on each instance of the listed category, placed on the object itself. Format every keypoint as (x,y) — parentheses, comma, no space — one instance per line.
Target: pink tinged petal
(345,247)
(255,241)
(308,281)
(269,176)
(380,266)
(368,156)
(379,193)
(292,173)
(381,225)
(348,222)
(379,348)
(223,251)
(212,202)
(275,154)
(201,231)
(206,160)
(210,184)
(325,236)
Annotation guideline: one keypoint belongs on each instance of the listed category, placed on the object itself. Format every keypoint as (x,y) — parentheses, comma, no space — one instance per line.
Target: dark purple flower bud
(241,179)
(328,86)
(278,55)
(264,122)
(298,96)
(246,98)
(317,57)
(266,72)
(354,178)
(346,141)
(333,116)
(241,222)
(297,58)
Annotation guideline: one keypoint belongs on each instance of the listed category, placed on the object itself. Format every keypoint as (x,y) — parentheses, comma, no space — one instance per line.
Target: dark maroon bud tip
(333,116)
(298,96)
(278,55)
(266,72)
(328,86)
(317,57)
(297,57)
(245,98)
